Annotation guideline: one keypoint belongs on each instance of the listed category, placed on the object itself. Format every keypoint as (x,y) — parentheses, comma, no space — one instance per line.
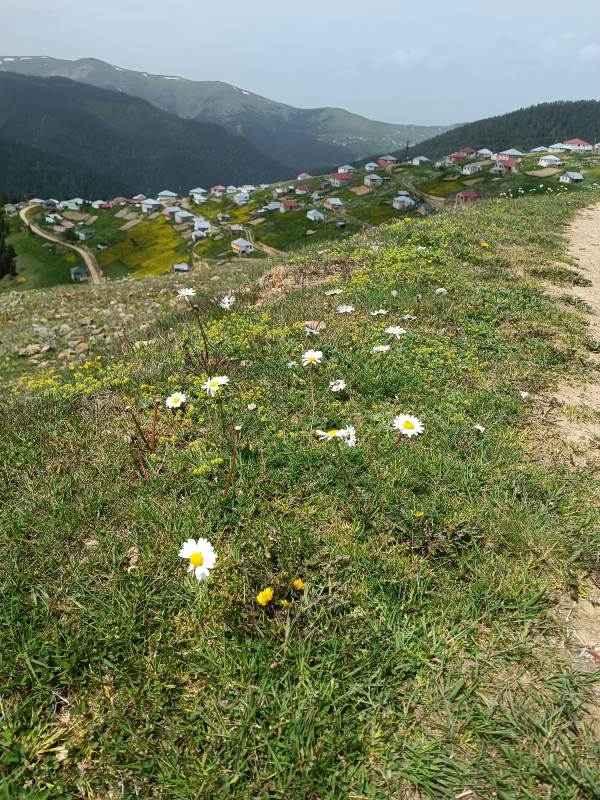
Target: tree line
(8,256)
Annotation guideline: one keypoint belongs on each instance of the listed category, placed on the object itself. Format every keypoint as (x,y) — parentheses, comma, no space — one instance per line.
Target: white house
(248,188)
(559,147)
(550,161)
(334,203)
(301,189)
(346,168)
(36,201)
(170,211)
(571,177)
(371,166)
(443,163)
(540,149)
(340,180)
(166,196)
(182,267)
(183,216)
(53,219)
(471,169)
(241,198)
(402,202)
(72,205)
(419,161)
(139,197)
(579,146)
(373,181)
(201,224)
(217,191)
(149,206)
(509,155)
(485,153)
(315,216)
(274,205)
(241,246)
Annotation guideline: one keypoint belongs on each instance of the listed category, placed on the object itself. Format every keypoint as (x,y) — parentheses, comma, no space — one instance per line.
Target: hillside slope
(379,620)
(543,124)
(114,143)
(304,138)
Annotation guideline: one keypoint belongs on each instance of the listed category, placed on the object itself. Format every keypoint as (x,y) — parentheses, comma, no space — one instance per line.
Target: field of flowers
(299,547)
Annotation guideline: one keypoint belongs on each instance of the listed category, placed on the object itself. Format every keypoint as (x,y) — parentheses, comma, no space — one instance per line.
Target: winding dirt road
(88,257)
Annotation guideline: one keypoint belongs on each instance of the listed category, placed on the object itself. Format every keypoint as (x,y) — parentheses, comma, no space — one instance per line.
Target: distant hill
(66,137)
(543,124)
(303,138)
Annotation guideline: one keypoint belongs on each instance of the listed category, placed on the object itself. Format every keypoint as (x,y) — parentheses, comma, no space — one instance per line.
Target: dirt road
(88,257)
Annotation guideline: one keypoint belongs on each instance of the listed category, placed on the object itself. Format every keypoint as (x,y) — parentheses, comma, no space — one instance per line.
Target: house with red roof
(289,205)
(460,155)
(304,176)
(387,161)
(468,196)
(217,191)
(302,188)
(579,146)
(340,179)
(502,167)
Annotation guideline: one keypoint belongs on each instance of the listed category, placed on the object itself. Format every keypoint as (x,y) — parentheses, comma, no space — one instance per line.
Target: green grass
(40,264)
(149,248)
(417,661)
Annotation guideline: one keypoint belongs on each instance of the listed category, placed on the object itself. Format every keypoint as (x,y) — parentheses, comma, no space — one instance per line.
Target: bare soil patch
(360,190)
(546,172)
(131,224)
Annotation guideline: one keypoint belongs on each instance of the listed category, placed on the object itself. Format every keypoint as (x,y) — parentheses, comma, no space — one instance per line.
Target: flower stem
(229,482)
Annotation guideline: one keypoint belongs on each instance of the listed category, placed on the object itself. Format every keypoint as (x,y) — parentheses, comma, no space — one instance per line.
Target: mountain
(303,138)
(543,124)
(66,137)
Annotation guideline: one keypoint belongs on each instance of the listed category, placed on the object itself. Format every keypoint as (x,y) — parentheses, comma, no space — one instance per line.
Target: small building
(484,152)
(274,205)
(72,205)
(166,196)
(289,205)
(471,169)
(302,189)
(304,176)
(315,216)
(334,203)
(468,196)
(217,191)
(340,180)
(504,166)
(579,146)
(443,163)
(201,224)
(170,211)
(79,274)
(550,161)
(315,197)
(346,168)
(387,161)
(559,147)
(35,201)
(10,208)
(53,219)
(371,166)
(571,177)
(139,198)
(373,181)
(242,247)
(236,229)
(419,161)
(97,204)
(540,149)
(84,234)
(241,198)
(119,201)
(512,154)
(150,205)
(596,150)
(401,202)
(182,267)
(462,154)
(183,216)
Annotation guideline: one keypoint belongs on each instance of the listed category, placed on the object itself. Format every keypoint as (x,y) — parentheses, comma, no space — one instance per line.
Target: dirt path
(88,257)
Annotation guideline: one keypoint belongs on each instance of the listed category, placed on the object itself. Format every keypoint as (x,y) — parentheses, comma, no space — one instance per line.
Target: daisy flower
(333,292)
(175,400)
(227,301)
(441,291)
(264,597)
(394,293)
(251,406)
(395,330)
(524,395)
(381,312)
(479,427)
(343,309)
(408,425)
(338,385)
(291,364)
(311,331)
(201,556)
(408,316)
(188,292)
(381,348)
(347,435)
(213,385)
(311,358)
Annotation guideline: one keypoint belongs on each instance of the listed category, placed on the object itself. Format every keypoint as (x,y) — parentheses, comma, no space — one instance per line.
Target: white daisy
(408,316)
(347,435)
(311,331)
(343,309)
(186,293)
(524,395)
(213,385)
(291,364)
(338,385)
(381,312)
(394,293)
(350,436)
(441,291)
(381,348)
(421,249)
(251,406)
(480,428)
(408,425)
(201,556)
(311,358)
(227,301)
(333,292)
(175,400)
(395,330)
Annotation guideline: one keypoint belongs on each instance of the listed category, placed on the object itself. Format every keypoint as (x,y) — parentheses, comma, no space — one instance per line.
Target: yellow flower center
(312,359)
(332,433)
(176,399)
(214,383)
(196,559)
(409,425)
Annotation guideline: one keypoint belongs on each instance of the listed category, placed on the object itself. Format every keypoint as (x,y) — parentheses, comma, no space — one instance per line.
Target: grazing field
(150,248)
(378,622)
(40,264)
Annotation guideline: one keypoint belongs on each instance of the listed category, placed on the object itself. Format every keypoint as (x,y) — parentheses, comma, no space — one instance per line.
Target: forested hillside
(66,137)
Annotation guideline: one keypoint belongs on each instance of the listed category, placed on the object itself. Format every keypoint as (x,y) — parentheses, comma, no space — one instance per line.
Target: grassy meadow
(40,264)
(407,649)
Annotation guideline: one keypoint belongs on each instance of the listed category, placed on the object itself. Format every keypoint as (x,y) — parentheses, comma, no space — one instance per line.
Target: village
(174,232)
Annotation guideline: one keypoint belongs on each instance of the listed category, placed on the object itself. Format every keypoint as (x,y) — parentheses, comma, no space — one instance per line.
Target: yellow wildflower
(298,584)
(264,597)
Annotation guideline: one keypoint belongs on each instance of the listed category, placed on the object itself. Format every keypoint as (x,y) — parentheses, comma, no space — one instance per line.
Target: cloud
(410,57)
(591,52)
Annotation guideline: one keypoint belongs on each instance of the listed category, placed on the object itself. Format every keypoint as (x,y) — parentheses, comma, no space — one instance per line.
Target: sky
(444,62)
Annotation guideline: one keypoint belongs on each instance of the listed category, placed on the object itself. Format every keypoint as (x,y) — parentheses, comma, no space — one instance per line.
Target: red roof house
(303,176)
(579,145)
(289,205)
(340,179)
(467,197)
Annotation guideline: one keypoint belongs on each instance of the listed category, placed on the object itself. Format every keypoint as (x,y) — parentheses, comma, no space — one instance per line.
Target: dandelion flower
(441,291)
(227,301)
(381,348)
(479,427)
(264,597)
(311,358)
(418,514)
(380,312)
(186,292)
(298,584)
(395,330)
(338,385)
(284,603)
(201,556)
(486,244)
(333,292)
(344,309)
(213,385)
(175,400)
(408,425)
